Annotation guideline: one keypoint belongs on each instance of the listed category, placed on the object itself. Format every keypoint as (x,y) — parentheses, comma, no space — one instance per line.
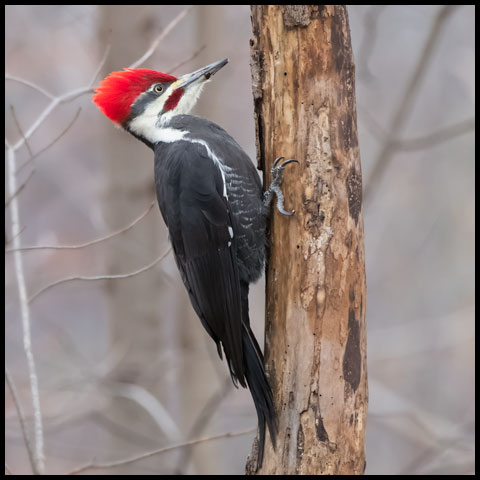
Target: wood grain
(304,93)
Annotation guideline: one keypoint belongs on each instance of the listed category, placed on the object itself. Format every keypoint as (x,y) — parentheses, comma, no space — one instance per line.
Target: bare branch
(202,421)
(21,418)
(371,123)
(126,461)
(189,59)
(100,65)
(29,84)
(162,35)
(142,397)
(39,457)
(19,189)
(38,462)
(410,144)
(55,140)
(368,42)
(440,136)
(56,101)
(407,101)
(91,242)
(7,241)
(17,123)
(99,277)
(48,110)
(71,95)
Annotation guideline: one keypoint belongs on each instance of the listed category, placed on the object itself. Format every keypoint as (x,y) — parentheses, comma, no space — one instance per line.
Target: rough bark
(303,85)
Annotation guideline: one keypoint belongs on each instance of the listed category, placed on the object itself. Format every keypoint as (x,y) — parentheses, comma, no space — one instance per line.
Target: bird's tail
(259,388)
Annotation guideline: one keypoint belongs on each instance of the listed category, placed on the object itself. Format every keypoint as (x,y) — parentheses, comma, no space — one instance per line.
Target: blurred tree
(142,324)
(303,85)
(134,305)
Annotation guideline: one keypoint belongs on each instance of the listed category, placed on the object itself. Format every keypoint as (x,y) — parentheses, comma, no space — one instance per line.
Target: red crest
(119,90)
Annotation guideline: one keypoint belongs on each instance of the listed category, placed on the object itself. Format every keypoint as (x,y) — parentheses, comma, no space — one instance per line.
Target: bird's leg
(274,188)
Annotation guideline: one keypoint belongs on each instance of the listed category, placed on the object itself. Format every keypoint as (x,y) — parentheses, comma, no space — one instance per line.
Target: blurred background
(124,366)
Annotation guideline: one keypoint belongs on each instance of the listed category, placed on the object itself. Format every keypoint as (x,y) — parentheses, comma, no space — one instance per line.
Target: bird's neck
(158,132)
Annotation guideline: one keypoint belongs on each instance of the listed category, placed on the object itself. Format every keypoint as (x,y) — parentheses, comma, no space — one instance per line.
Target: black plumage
(211,199)
(210,196)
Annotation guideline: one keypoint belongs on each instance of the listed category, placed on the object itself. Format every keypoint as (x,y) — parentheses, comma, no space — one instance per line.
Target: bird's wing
(201,230)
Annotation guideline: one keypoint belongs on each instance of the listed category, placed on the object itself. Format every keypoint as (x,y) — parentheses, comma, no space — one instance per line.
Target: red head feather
(119,90)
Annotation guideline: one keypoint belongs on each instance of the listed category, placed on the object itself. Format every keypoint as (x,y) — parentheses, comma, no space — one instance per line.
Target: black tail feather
(259,388)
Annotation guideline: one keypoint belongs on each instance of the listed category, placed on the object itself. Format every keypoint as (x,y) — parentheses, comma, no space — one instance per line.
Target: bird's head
(142,100)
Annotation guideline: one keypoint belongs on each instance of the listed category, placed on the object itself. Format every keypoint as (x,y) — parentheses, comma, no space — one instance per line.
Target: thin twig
(39,457)
(126,461)
(19,189)
(367,118)
(55,140)
(440,136)
(202,421)
(40,119)
(99,277)
(162,35)
(56,101)
(148,402)
(121,430)
(29,84)
(72,95)
(100,65)
(407,101)
(21,418)
(189,59)
(91,242)
(7,241)
(368,41)
(418,143)
(17,123)
(67,97)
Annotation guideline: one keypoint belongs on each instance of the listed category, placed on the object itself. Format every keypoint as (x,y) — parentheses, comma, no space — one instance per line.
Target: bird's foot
(274,188)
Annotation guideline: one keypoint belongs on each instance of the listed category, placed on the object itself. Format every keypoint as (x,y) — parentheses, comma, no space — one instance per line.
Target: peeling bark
(303,86)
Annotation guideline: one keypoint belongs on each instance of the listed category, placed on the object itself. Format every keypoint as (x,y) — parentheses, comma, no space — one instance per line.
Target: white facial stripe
(186,103)
(146,124)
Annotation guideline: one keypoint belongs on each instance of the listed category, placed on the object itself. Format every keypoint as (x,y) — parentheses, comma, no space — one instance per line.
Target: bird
(211,198)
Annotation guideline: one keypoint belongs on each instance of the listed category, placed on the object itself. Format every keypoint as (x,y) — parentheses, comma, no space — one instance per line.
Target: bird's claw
(277,174)
(282,166)
(284,212)
(277,170)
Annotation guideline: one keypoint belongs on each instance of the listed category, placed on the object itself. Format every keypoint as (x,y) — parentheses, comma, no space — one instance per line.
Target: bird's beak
(203,73)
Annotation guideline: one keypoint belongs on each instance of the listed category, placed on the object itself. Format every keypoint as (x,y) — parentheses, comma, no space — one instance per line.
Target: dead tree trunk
(303,83)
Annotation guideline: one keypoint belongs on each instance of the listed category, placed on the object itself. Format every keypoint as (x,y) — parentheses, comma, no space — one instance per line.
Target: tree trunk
(303,85)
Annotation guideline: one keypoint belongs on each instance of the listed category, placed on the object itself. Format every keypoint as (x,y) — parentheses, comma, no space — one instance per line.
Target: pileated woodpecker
(210,196)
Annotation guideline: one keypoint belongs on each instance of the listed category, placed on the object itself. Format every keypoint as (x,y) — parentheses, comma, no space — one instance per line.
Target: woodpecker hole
(285,74)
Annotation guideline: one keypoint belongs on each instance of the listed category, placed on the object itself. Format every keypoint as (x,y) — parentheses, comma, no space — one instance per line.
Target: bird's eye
(158,89)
